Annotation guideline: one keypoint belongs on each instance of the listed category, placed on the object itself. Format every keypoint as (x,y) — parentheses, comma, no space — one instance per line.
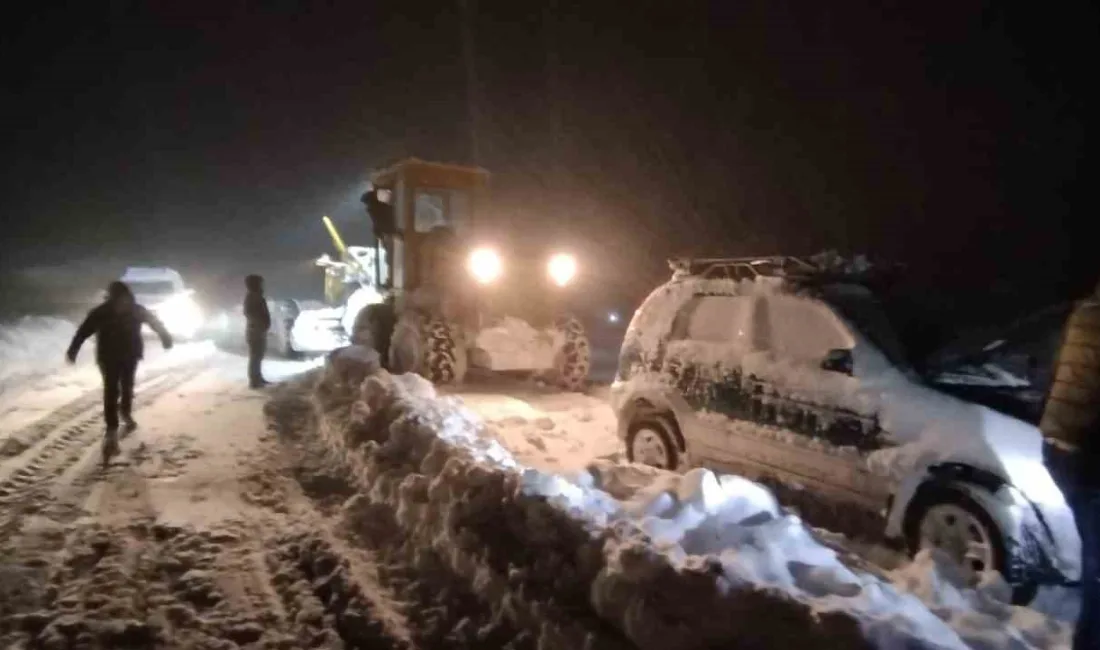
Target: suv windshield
(152,287)
(859,306)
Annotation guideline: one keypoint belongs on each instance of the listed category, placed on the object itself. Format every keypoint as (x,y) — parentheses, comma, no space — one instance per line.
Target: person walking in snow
(116,325)
(257,323)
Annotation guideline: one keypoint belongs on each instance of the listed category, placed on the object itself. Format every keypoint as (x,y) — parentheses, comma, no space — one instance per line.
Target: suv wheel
(650,442)
(956,524)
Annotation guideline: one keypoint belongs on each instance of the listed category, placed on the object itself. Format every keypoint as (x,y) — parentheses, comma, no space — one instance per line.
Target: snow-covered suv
(778,370)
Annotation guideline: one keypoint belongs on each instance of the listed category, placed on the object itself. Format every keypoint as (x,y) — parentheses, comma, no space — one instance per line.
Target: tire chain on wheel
(440,360)
(575,354)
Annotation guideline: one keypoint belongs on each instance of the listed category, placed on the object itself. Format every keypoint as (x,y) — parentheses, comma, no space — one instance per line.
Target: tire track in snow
(360,545)
(75,427)
(326,593)
(24,439)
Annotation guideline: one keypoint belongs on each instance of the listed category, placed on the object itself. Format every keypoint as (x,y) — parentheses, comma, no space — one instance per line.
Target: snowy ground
(543,427)
(325,515)
(32,347)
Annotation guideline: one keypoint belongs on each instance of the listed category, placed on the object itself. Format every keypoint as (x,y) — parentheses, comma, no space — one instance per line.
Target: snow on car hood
(932,427)
(926,425)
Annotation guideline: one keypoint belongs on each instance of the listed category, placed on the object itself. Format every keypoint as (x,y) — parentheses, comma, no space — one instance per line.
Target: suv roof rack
(823,268)
(741,268)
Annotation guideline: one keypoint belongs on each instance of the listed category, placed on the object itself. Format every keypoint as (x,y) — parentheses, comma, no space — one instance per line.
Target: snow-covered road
(202,534)
(218,527)
(544,427)
(323,514)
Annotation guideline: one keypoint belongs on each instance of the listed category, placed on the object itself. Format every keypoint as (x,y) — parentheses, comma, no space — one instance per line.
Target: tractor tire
(427,346)
(573,361)
(375,328)
(444,362)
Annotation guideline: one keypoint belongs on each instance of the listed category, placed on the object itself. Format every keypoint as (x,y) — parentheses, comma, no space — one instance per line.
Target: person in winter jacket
(257,323)
(116,325)
(1071,431)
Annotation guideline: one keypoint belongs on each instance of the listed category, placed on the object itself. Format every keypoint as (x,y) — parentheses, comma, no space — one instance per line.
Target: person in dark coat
(1071,430)
(257,323)
(116,325)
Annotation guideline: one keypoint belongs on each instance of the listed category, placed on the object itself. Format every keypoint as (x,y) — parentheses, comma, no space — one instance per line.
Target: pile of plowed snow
(622,553)
(32,345)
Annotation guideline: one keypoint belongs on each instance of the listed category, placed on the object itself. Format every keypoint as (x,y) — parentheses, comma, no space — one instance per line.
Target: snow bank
(622,555)
(32,345)
(514,344)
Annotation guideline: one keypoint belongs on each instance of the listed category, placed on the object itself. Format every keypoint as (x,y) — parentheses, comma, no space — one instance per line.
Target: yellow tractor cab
(455,301)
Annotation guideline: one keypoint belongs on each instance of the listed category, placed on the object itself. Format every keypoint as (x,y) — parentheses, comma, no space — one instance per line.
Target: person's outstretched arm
(152,321)
(89,327)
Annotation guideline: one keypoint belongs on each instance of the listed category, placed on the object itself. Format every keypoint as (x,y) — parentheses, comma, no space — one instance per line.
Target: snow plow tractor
(454,302)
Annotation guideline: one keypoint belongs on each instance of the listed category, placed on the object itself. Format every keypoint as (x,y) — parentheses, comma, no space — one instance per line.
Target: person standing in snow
(1071,432)
(257,323)
(116,325)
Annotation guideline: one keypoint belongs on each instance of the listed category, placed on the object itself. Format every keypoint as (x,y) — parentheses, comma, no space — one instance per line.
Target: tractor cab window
(435,208)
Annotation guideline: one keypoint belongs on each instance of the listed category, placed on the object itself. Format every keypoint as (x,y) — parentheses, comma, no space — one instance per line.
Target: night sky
(950,136)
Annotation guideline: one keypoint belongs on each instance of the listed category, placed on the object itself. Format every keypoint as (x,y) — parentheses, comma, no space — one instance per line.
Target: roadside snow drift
(32,345)
(622,555)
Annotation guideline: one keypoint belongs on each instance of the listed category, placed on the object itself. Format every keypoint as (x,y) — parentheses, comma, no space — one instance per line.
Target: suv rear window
(712,319)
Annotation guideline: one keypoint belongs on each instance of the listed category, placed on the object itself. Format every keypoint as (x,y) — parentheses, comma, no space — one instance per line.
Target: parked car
(785,372)
(298,328)
(163,291)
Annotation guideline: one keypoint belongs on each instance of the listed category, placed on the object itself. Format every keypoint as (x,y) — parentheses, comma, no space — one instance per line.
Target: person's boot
(110,445)
(128,424)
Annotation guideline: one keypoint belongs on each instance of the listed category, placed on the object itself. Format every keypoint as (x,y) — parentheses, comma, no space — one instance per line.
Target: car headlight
(485,265)
(562,268)
(181,311)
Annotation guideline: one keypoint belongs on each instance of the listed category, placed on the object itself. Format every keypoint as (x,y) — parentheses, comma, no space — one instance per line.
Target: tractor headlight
(485,265)
(562,268)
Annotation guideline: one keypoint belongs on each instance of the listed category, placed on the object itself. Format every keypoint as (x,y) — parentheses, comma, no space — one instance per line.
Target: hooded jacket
(257,317)
(116,325)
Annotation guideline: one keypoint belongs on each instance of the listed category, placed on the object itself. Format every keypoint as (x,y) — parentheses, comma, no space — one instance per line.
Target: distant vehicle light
(485,265)
(562,268)
(613,317)
(181,315)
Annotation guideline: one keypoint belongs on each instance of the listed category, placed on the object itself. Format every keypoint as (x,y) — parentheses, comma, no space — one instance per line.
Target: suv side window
(802,330)
(713,319)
